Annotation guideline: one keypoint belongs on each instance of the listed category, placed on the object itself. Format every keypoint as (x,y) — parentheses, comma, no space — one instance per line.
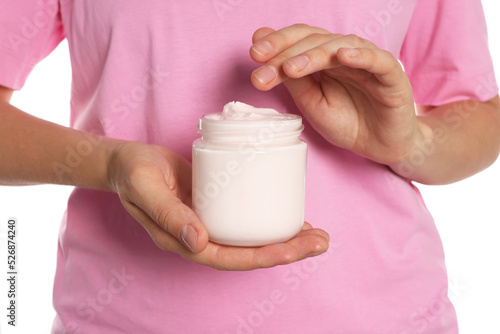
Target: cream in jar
(249,171)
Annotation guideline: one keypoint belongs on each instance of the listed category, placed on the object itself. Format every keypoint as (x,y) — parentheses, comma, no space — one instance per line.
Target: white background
(467,215)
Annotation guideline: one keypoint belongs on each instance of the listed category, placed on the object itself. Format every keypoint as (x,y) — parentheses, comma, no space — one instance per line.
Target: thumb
(171,223)
(180,221)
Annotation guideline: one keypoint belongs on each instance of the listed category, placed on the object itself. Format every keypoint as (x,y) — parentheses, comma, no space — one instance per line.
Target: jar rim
(275,130)
(283,117)
(284,122)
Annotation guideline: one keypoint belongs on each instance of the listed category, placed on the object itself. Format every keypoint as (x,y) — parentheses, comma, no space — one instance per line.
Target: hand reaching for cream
(362,101)
(154,185)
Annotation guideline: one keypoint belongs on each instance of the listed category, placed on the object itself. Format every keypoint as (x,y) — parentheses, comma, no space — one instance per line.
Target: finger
(271,46)
(306,226)
(389,83)
(381,63)
(317,99)
(261,33)
(243,258)
(313,53)
(309,242)
(161,238)
(306,93)
(308,229)
(169,213)
(273,72)
(276,42)
(313,242)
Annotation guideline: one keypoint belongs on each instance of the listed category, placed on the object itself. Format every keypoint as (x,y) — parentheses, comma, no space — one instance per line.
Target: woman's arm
(465,139)
(35,151)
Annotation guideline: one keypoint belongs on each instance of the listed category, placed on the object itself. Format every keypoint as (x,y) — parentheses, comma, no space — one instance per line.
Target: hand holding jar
(154,185)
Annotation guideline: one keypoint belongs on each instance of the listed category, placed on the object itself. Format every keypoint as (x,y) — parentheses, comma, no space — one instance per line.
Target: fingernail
(266,74)
(299,63)
(352,52)
(189,236)
(262,47)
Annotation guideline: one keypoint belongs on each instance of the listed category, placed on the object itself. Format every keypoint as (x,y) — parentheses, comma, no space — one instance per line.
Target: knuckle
(130,181)
(156,237)
(279,60)
(386,54)
(318,38)
(308,28)
(134,174)
(355,40)
(373,58)
(393,63)
(172,183)
(217,262)
(164,215)
(322,53)
(279,39)
(300,26)
(159,243)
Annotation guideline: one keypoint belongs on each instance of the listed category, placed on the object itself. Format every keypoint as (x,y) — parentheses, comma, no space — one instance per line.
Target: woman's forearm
(34,151)
(465,139)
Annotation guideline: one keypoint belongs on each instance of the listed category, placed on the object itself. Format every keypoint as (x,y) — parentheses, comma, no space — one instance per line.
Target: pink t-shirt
(147,70)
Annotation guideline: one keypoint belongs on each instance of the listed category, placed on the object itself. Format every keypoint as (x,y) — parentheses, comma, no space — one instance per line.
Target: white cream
(249,175)
(239,111)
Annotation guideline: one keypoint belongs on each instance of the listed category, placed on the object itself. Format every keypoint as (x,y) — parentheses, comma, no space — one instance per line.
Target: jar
(249,175)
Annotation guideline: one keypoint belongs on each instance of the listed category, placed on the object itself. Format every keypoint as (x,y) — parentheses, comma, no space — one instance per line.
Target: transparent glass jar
(249,179)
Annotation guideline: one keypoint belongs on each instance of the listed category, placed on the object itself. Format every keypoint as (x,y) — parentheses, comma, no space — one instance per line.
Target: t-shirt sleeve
(446,55)
(29,31)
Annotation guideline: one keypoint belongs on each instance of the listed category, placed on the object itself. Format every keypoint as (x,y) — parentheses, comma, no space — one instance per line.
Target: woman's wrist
(459,140)
(407,163)
(36,151)
(104,173)
(85,162)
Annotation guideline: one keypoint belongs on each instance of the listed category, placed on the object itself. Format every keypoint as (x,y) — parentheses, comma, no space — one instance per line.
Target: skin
(362,102)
